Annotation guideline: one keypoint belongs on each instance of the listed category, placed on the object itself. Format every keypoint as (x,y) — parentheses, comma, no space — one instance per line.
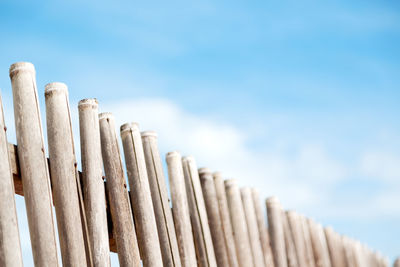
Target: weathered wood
(33,164)
(180,209)
(225,219)
(124,229)
(214,221)
(93,184)
(292,259)
(349,252)
(276,232)
(10,246)
(159,194)
(307,242)
(335,248)
(252,227)
(63,169)
(320,248)
(239,224)
(141,202)
(262,228)
(298,237)
(198,215)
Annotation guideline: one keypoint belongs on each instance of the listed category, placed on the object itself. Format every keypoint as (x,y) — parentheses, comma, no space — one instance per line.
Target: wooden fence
(212,222)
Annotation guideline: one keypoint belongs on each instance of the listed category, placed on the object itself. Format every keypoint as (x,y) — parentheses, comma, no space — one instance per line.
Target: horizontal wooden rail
(12,150)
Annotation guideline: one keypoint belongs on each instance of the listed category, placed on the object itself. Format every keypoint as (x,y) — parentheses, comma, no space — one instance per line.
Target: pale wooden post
(10,246)
(63,169)
(252,227)
(198,215)
(335,248)
(225,219)
(159,194)
(307,242)
(239,225)
(180,209)
(93,184)
(211,201)
(262,228)
(33,164)
(349,252)
(298,237)
(291,254)
(124,229)
(319,245)
(276,231)
(140,195)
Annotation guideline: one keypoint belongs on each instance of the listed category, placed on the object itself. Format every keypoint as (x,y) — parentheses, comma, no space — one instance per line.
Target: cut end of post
(88,102)
(245,190)
(205,174)
(217,175)
(106,116)
(149,134)
(188,159)
(128,127)
(273,201)
(172,154)
(230,182)
(55,87)
(204,171)
(21,66)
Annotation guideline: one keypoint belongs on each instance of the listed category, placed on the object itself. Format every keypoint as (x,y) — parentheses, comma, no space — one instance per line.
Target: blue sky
(297,98)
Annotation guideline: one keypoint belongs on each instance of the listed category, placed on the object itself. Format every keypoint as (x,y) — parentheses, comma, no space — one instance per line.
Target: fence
(212,222)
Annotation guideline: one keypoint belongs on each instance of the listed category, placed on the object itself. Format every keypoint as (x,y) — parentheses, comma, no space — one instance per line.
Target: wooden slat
(12,150)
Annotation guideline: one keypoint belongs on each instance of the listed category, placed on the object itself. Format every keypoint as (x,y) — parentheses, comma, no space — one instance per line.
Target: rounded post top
(204,170)
(92,102)
(149,134)
(230,182)
(273,201)
(188,159)
(128,127)
(59,87)
(173,154)
(217,175)
(106,116)
(245,190)
(21,66)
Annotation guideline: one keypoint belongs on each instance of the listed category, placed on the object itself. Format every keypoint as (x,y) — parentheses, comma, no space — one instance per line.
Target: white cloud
(381,165)
(297,179)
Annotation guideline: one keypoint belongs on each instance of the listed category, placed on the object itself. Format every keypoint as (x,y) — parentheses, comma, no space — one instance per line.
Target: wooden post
(292,258)
(239,225)
(211,201)
(33,164)
(298,237)
(319,245)
(252,227)
(159,194)
(307,242)
(225,219)
(180,209)
(124,229)
(93,184)
(140,195)
(262,228)
(198,215)
(335,248)
(276,234)
(349,252)
(63,169)
(10,246)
